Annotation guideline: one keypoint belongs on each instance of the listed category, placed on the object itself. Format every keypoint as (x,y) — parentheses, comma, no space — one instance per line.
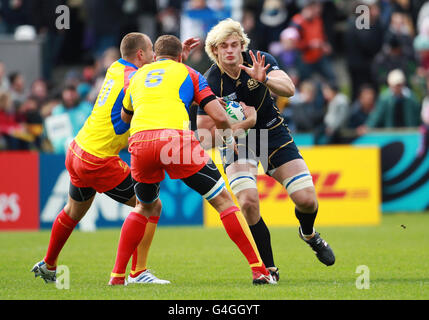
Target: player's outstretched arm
(280,83)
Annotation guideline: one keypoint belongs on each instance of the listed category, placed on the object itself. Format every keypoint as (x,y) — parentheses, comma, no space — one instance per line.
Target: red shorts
(89,171)
(155,151)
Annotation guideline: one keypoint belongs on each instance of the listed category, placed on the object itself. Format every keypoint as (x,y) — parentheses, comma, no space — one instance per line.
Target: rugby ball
(235,114)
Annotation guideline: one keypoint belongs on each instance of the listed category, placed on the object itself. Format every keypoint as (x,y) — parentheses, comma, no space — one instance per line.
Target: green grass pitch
(203,264)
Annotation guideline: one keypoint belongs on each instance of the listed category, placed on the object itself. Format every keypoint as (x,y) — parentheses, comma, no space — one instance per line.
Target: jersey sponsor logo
(9,207)
(252,84)
(232,96)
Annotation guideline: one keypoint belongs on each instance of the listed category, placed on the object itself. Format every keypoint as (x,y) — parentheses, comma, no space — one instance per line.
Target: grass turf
(203,264)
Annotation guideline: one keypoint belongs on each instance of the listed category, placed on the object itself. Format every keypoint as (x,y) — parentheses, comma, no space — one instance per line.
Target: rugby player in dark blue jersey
(249,76)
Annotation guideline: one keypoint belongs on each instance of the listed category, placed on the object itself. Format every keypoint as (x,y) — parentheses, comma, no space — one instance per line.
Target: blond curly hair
(221,32)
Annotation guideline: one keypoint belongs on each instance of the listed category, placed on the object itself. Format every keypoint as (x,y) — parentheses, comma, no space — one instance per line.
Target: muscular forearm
(280,84)
(207,131)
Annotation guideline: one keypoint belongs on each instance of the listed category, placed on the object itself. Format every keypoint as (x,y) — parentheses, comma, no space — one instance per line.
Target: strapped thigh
(298,182)
(242,180)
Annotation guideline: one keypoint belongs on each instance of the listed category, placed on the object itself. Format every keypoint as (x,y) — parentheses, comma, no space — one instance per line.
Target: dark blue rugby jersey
(248,90)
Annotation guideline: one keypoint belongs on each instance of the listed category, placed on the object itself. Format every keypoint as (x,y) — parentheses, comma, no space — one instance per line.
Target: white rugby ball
(236,114)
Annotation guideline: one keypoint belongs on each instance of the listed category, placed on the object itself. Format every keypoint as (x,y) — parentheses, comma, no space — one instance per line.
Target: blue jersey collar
(126,63)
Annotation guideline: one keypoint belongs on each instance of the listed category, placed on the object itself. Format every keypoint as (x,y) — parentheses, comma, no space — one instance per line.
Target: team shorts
(89,171)
(272,148)
(154,152)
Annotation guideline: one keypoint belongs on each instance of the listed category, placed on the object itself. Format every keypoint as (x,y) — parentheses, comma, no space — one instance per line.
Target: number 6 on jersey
(154,78)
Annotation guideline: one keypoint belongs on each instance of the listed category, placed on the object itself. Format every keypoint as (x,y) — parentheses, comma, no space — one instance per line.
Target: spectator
(4,82)
(44,21)
(397,107)
(19,130)
(169,17)
(421,46)
(401,27)
(362,45)
(424,128)
(102,64)
(17,89)
(422,15)
(7,120)
(102,31)
(312,44)
(273,19)
(198,18)
(288,55)
(15,13)
(390,58)
(252,28)
(306,114)
(336,113)
(362,107)
(67,119)
(29,116)
(39,92)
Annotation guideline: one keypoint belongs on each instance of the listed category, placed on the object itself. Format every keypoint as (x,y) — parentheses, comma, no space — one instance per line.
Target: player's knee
(154,208)
(305,200)
(249,204)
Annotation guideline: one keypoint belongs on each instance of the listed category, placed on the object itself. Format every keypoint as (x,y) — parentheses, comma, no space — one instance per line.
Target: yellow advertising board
(347,182)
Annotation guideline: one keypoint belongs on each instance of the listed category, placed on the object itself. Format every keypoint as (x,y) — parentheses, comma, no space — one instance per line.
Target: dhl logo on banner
(347,183)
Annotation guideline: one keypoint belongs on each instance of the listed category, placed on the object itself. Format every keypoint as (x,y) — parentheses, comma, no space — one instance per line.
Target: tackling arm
(205,122)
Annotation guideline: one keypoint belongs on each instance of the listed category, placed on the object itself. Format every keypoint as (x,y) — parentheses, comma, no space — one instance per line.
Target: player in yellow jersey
(157,105)
(93,162)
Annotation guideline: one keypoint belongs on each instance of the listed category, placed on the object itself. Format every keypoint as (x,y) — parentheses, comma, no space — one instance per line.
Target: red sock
(131,234)
(142,251)
(61,230)
(239,232)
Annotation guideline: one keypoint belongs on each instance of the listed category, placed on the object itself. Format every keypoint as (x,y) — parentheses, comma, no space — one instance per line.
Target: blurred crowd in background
(348,79)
